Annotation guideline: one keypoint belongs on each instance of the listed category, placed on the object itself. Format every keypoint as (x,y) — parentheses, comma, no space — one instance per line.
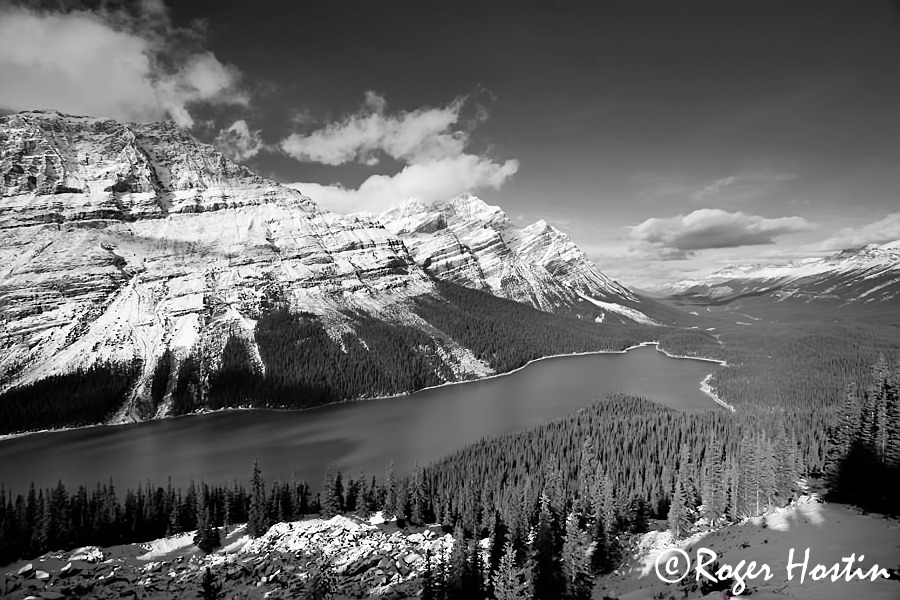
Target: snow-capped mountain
(471,243)
(864,275)
(121,242)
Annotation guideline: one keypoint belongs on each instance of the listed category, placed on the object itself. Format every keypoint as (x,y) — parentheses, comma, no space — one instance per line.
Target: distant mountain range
(132,244)
(856,276)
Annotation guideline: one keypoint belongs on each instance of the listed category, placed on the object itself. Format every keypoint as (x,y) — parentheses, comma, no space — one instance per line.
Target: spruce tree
(458,567)
(331,494)
(391,500)
(207,537)
(842,432)
(679,518)
(417,498)
(428,587)
(575,562)
(210,588)
(498,542)
(508,580)
(547,570)
(257,519)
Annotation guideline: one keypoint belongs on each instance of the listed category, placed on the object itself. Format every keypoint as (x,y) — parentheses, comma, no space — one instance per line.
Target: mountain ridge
(860,275)
(136,245)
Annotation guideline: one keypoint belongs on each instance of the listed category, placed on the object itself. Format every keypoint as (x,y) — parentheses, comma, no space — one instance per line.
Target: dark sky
(750,130)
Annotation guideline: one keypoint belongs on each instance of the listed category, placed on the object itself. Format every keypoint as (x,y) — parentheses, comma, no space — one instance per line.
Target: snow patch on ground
(631,313)
(831,532)
(163,547)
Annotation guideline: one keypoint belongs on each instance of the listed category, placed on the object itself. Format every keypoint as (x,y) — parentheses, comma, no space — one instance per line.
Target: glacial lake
(421,427)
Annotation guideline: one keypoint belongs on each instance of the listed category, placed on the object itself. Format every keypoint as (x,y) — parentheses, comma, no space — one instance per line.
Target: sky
(666,138)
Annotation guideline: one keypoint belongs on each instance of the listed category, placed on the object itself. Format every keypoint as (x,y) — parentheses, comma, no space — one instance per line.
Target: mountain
(860,276)
(137,265)
(469,242)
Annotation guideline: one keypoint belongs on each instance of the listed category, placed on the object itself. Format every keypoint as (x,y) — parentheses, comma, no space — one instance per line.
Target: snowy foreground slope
(375,559)
(368,560)
(121,241)
(865,275)
(832,532)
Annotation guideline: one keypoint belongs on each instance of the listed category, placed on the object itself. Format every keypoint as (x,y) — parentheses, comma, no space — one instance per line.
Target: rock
(41,575)
(26,571)
(52,595)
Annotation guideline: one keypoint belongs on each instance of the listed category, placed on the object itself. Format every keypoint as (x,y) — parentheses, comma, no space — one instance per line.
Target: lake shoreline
(704,387)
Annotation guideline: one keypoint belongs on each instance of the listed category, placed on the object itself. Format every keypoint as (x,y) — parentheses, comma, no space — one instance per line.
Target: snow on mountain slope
(471,243)
(122,240)
(831,532)
(864,275)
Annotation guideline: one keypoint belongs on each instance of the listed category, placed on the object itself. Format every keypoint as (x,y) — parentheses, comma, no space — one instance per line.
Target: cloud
(709,228)
(123,64)
(238,142)
(430,180)
(713,189)
(430,141)
(885,229)
(423,134)
(741,187)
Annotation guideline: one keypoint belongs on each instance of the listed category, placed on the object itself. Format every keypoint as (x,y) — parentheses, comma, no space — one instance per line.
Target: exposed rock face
(468,242)
(864,275)
(366,560)
(121,241)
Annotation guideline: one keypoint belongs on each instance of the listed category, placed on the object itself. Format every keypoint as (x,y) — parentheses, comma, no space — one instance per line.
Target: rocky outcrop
(471,243)
(366,561)
(119,241)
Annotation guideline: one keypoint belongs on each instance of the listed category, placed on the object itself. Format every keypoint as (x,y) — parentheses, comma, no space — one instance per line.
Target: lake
(421,427)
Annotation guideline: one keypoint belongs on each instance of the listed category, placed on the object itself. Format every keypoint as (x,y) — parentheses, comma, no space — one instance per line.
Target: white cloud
(129,66)
(431,141)
(886,229)
(422,134)
(430,180)
(708,228)
(713,188)
(238,142)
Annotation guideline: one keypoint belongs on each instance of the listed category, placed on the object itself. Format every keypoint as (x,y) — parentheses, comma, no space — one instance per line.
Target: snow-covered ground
(831,532)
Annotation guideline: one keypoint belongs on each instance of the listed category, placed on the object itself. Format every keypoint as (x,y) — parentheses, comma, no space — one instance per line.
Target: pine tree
(575,562)
(473,585)
(713,485)
(548,577)
(458,567)
(332,490)
(767,473)
(498,542)
(509,581)
(842,432)
(207,537)
(210,588)
(428,584)
(257,520)
(391,500)
(679,519)
(417,498)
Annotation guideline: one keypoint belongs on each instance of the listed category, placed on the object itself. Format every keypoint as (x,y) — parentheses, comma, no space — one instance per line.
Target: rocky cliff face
(468,242)
(121,241)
